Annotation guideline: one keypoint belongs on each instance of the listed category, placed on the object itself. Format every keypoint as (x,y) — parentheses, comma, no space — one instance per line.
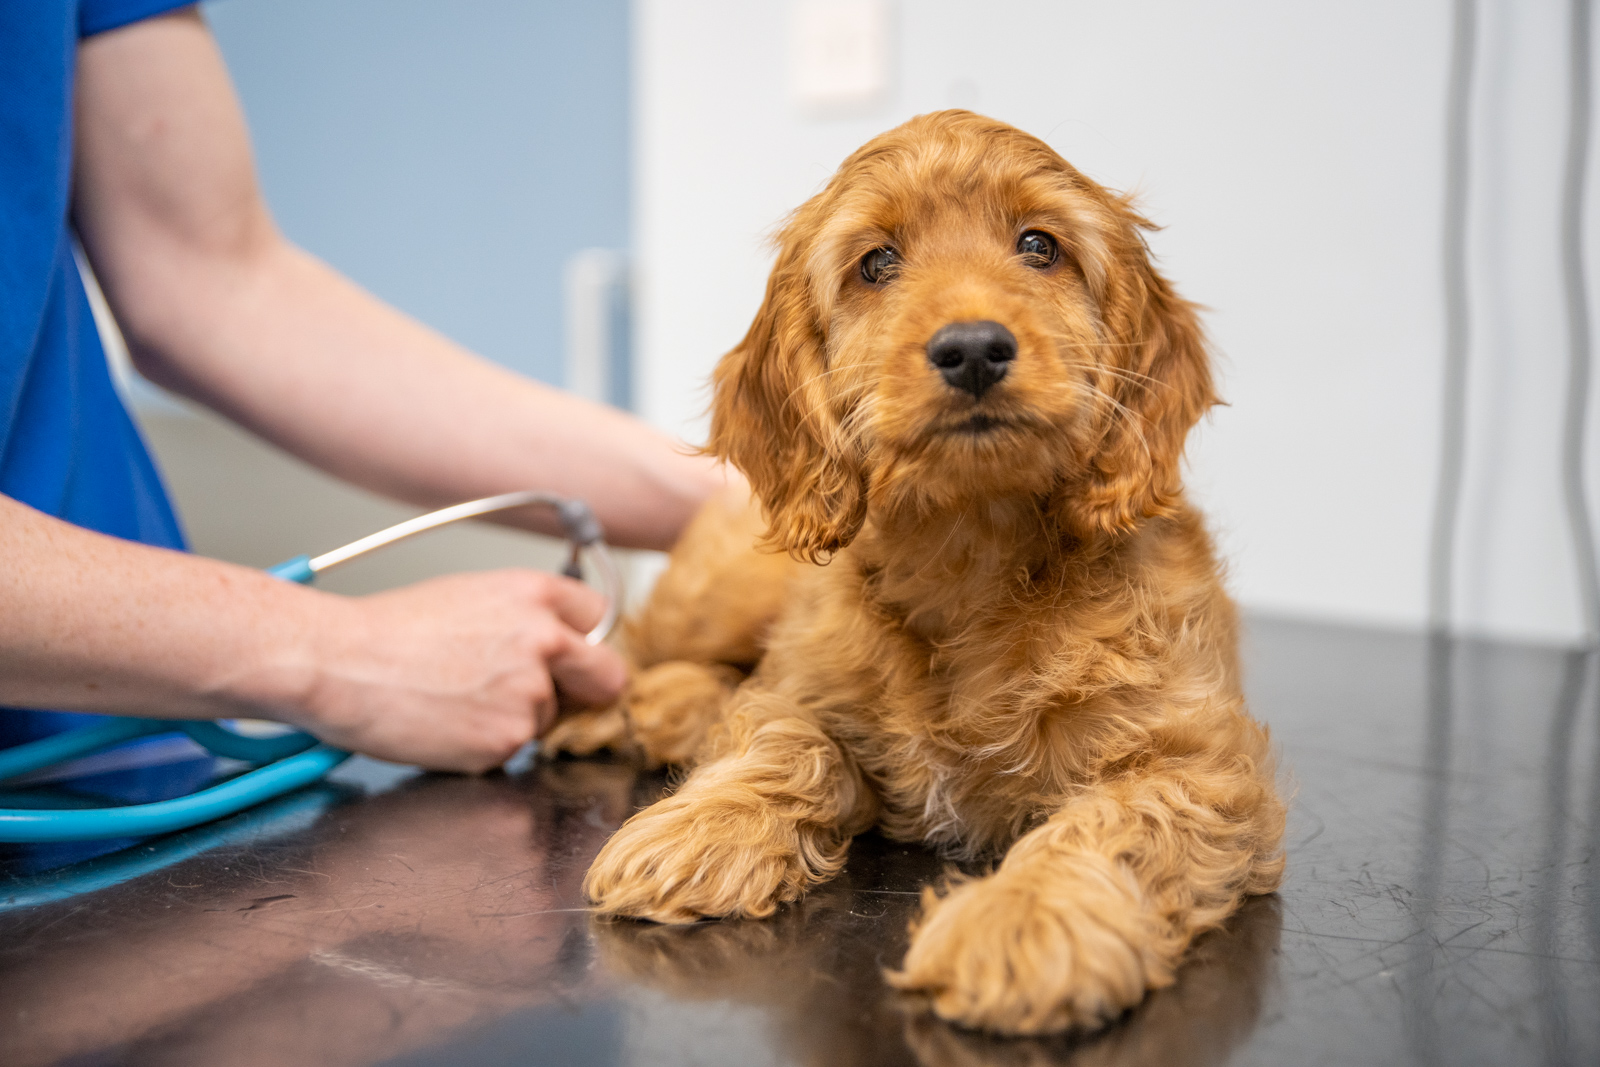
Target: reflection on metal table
(1440,907)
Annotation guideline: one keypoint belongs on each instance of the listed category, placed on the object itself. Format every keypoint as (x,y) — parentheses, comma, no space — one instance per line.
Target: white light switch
(839,52)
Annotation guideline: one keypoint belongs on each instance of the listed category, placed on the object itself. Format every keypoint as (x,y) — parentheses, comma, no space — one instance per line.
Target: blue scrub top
(67,445)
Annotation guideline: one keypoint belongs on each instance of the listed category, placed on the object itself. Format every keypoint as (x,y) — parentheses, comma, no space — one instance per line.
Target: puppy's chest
(967,742)
(970,714)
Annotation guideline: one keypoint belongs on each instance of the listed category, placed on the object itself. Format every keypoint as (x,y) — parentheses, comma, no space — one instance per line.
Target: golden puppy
(962,407)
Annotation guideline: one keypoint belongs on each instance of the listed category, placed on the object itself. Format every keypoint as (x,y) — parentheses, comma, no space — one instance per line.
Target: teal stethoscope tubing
(286,813)
(293,760)
(166,816)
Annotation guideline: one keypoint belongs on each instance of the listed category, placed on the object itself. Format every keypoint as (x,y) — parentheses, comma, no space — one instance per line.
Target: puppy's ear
(1160,380)
(770,417)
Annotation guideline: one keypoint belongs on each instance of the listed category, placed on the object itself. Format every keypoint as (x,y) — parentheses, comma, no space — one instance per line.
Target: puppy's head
(960,314)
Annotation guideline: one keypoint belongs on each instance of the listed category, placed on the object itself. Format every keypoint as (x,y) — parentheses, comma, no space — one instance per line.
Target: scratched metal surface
(1440,909)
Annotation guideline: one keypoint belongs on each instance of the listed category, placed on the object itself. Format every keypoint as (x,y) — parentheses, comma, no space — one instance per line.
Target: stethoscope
(288,761)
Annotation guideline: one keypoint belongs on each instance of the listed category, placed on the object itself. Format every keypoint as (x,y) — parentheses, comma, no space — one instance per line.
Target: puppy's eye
(879,265)
(1038,249)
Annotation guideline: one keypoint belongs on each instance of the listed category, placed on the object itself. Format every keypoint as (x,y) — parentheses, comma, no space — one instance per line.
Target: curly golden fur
(1003,630)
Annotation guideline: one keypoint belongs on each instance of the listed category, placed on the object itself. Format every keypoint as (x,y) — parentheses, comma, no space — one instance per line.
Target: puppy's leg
(583,733)
(672,706)
(662,718)
(719,594)
(1096,906)
(709,610)
(770,813)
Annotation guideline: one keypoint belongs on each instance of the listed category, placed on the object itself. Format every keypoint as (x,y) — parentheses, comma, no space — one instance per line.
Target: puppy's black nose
(972,356)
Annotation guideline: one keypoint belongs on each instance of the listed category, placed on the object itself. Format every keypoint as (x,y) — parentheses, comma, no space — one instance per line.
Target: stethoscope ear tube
(578,522)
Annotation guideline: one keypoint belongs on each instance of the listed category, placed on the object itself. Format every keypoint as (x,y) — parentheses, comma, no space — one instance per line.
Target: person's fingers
(473,665)
(574,603)
(587,675)
(544,712)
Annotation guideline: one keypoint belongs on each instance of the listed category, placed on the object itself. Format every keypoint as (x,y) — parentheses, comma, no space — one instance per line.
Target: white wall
(1293,151)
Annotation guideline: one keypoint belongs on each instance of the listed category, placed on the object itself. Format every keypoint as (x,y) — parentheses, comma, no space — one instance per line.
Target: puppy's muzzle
(972,356)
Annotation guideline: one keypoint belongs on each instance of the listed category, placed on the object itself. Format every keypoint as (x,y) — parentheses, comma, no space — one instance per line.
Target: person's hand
(458,672)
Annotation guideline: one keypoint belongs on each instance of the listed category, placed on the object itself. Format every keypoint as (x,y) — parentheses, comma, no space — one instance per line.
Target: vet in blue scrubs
(67,445)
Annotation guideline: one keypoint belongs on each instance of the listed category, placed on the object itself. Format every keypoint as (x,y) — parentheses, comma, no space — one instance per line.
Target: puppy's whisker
(847,393)
(851,428)
(1073,341)
(1136,421)
(820,375)
(840,434)
(1076,341)
(1131,376)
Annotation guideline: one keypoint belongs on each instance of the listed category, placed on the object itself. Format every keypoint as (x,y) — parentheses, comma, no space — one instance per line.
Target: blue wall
(448,156)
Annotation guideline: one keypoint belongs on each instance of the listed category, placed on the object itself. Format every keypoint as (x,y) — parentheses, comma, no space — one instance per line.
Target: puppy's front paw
(682,860)
(583,733)
(672,705)
(1004,955)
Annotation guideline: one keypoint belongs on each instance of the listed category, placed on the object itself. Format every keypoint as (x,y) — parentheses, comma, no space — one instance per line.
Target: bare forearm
(92,623)
(288,348)
(218,306)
